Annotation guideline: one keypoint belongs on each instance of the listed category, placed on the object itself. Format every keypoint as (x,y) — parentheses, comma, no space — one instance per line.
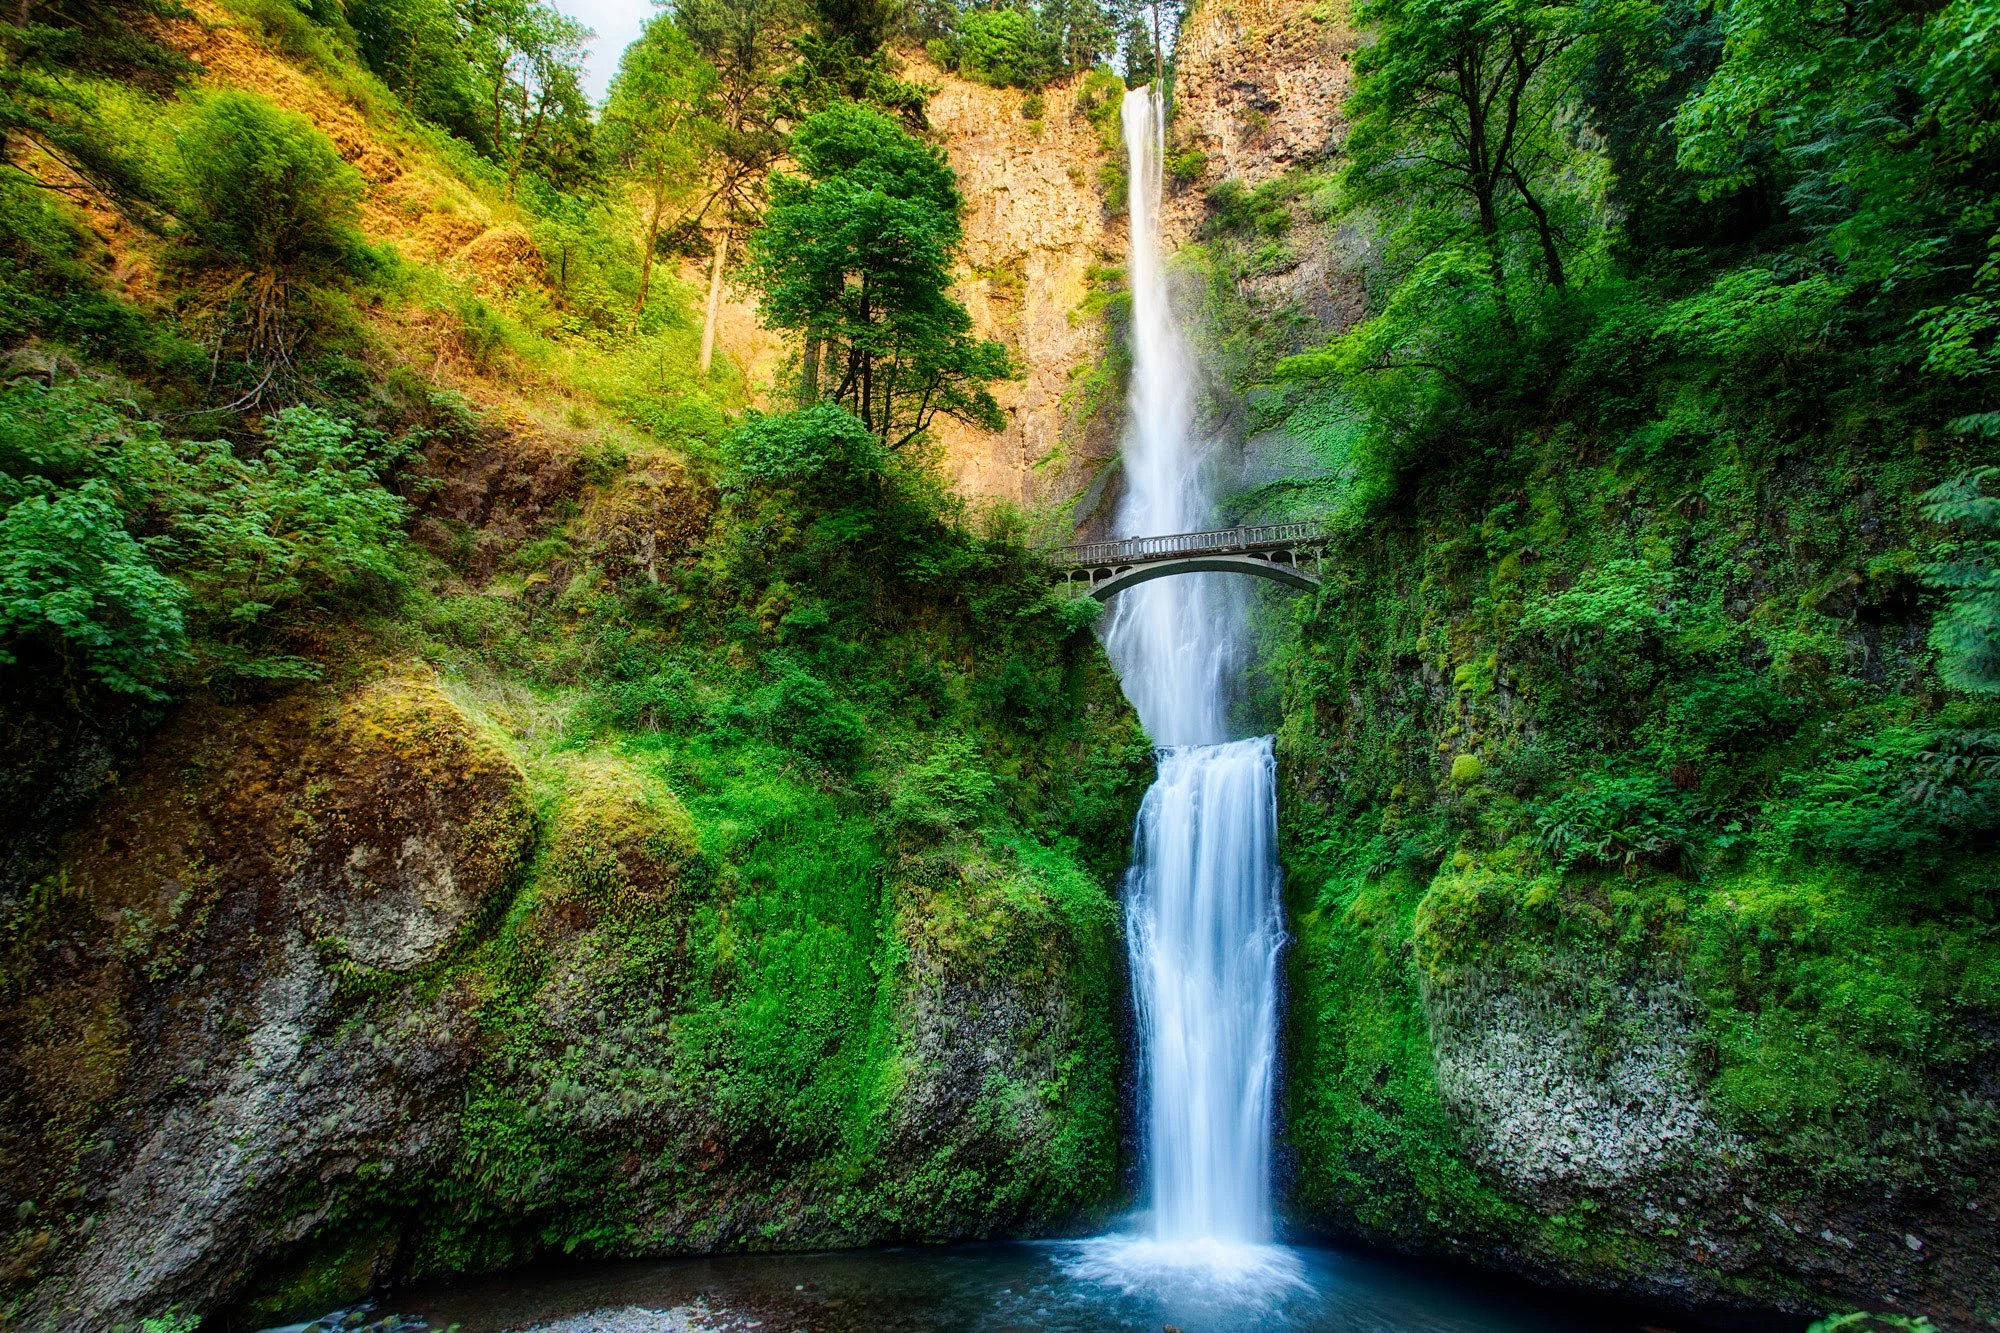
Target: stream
(1046,1287)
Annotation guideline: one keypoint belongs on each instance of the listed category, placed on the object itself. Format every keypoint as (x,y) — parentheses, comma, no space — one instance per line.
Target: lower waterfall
(1204,930)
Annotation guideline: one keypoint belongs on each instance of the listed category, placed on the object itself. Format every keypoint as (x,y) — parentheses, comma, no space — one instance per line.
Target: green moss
(345,1266)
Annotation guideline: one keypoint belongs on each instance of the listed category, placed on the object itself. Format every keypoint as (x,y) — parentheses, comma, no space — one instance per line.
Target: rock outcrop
(1258,87)
(1557,1095)
(1035,228)
(217,1030)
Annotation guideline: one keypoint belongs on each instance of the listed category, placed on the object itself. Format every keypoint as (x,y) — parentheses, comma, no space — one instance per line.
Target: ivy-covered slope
(754,893)
(1642,883)
(470,789)
(1641,773)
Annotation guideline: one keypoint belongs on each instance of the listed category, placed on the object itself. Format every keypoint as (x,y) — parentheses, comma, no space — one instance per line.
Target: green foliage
(1628,667)
(239,546)
(1457,113)
(418,48)
(1231,208)
(1002,47)
(58,60)
(1623,821)
(823,450)
(73,577)
(1187,166)
(46,288)
(856,255)
(174,1321)
(1024,45)
(266,190)
(302,521)
(661,124)
(1968,633)
(505,77)
(949,789)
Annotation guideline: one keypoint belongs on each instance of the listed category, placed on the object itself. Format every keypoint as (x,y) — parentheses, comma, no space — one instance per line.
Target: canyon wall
(1035,229)
(1728,1080)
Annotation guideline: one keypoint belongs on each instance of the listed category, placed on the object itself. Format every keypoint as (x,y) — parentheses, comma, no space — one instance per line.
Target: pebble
(631,1319)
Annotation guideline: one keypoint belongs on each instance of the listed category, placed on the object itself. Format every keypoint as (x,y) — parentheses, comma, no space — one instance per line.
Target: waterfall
(1202,911)
(1202,921)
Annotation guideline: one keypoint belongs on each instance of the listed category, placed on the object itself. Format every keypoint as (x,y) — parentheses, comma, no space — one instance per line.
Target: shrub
(1187,166)
(949,789)
(801,712)
(824,448)
(1001,47)
(1904,793)
(665,700)
(306,521)
(266,190)
(1622,821)
(74,578)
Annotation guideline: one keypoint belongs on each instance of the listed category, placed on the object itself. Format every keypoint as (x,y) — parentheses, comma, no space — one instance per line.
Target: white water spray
(1202,896)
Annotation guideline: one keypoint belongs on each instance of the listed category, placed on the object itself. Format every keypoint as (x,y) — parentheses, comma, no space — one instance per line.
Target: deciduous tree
(856,255)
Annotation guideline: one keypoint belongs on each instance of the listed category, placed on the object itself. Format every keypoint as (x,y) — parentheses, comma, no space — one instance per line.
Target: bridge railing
(1213,542)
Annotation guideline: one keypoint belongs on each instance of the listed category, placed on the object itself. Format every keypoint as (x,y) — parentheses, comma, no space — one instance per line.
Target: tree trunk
(809,372)
(1551,257)
(714,299)
(652,244)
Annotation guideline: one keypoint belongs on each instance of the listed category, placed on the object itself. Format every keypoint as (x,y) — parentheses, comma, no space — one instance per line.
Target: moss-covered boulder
(225,1012)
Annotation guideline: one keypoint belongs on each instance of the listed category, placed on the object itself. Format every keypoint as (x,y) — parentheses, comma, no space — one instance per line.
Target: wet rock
(227,900)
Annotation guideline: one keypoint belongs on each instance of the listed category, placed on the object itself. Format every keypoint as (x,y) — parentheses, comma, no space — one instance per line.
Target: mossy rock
(620,844)
(410,824)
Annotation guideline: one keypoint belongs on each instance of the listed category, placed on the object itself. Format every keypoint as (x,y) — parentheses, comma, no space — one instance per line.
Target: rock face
(1035,227)
(208,1039)
(1258,87)
(315,999)
(1258,93)
(1548,1104)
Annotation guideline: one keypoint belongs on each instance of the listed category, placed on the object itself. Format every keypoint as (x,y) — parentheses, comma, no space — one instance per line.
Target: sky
(617,24)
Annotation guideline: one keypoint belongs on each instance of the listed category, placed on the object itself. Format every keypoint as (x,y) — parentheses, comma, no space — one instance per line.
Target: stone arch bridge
(1288,553)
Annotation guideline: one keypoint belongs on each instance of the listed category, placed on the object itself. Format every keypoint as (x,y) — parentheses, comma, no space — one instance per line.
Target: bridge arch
(1103,588)
(1275,551)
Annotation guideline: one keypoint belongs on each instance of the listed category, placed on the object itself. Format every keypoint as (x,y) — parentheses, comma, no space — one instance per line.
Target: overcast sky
(616,23)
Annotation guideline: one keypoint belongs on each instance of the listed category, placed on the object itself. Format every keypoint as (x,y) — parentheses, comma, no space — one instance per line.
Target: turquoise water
(1052,1287)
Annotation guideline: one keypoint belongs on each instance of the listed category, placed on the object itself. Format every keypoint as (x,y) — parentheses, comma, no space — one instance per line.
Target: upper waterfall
(1178,644)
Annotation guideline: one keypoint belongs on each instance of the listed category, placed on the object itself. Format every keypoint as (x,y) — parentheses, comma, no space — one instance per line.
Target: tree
(1877,126)
(418,48)
(855,254)
(1076,34)
(531,58)
(1456,101)
(1001,47)
(266,194)
(1146,32)
(660,121)
(749,45)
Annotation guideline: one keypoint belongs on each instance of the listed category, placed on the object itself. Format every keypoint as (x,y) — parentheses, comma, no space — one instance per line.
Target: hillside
(1641,943)
(436,889)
